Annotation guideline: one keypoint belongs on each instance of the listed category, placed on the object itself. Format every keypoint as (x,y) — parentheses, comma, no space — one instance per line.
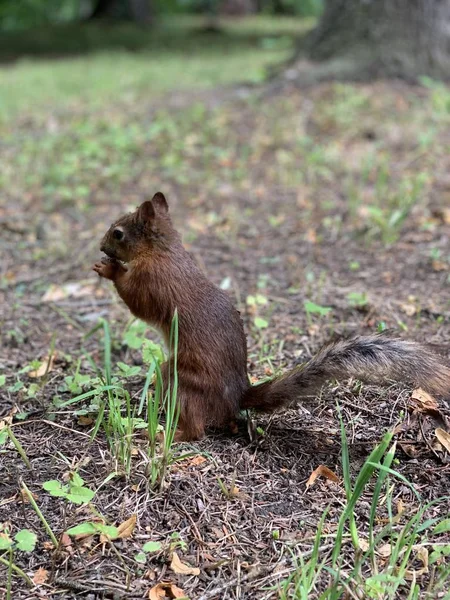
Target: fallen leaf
(75,289)
(234,492)
(385,550)
(46,367)
(409,309)
(7,420)
(443,437)
(422,555)
(40,576)
(181,568)
(65,540)
(311,236)
(24,496)
(324,471)
(397,517)
(400,511)
(364,545)
(445,215)
(47,545)
(197,460)
(410,450)
(439,265)
(166,590)
(125,529)
(424,399)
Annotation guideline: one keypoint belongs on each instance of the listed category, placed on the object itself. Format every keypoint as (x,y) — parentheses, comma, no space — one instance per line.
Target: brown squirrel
(154,275)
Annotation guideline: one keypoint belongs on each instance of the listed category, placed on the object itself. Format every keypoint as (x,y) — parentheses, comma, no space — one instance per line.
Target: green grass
(384,562)
(111,406)
(71,65)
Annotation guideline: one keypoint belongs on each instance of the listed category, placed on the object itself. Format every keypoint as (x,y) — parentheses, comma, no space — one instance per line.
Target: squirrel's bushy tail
(375,359)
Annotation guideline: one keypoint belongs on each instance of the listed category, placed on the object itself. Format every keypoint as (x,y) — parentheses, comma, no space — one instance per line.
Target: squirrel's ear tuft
(160,203)
(146,211)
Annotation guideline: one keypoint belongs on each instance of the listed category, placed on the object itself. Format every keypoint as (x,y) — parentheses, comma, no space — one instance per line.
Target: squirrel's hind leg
(191,424)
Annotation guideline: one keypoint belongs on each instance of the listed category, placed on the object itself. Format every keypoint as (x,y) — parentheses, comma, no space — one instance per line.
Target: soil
(241,542)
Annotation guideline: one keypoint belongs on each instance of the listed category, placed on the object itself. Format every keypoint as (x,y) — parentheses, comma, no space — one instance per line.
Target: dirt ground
(271,194)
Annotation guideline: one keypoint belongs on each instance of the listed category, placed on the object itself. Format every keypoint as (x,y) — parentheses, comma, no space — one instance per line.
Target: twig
(255,573)
(427,442)
(18,424)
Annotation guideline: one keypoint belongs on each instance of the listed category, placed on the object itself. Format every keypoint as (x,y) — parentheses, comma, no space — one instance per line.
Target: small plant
(24,541)
(147,548)
(176,541)
(119,417)
(5,433)
(357,299)
(311,308)
(161,455)
(94,528)
(386,218)
(403,546)
(230,491)
(75,491)
(254,302)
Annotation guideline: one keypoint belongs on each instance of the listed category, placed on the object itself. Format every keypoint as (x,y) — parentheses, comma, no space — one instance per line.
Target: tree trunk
(135,10)
(238,7)
(362,39)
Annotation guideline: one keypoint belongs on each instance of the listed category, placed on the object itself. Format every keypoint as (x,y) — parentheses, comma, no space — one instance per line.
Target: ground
(333,197)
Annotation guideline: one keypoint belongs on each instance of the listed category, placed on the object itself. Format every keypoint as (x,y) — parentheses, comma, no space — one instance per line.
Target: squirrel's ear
(160,203)
(146,211)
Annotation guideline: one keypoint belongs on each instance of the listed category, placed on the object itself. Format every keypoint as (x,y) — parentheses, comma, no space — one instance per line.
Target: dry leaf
(65,540)
(47,545)
(40,576)
(445,215)
(443,437)
(166,590)
(197,460)
(125,529)
(181,568)
(311,236)
(384,550)
(364,545)
(400,511)
(75,289)
(422,555)
(439,265)
(7,420)
(424,399)
(24,496)
(324,471)
(46,367)
(409,309)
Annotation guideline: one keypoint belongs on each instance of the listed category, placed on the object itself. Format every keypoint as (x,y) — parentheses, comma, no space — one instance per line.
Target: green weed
(24,541)
(74,491)
(118,416)
(390,560)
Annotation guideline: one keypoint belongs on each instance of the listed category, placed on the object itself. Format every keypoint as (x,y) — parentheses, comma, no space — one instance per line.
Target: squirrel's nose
(102,247)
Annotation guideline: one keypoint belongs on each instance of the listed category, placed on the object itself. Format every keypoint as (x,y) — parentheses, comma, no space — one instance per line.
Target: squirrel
(155,275)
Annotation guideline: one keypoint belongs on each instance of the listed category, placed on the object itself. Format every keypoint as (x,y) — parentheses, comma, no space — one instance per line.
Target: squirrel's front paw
(108,268)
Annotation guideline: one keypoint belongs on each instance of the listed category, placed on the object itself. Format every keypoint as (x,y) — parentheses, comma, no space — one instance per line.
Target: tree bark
(135,10)
(383,38)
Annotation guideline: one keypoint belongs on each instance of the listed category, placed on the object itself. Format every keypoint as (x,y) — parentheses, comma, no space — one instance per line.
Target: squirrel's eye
(118,234)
